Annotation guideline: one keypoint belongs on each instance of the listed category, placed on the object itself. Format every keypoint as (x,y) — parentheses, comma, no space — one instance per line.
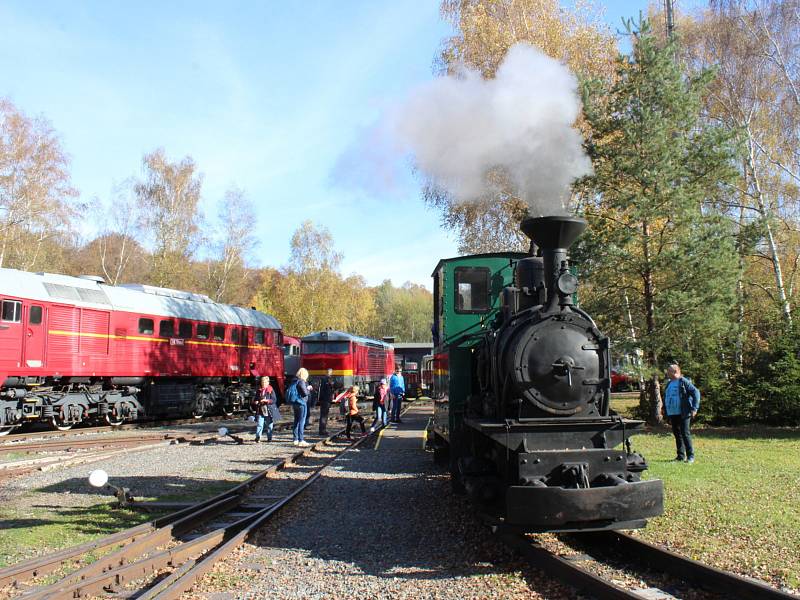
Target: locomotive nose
(558,231)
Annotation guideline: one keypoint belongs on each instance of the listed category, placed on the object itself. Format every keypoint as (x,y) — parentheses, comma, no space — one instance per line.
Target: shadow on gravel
(400,523)
(146,486)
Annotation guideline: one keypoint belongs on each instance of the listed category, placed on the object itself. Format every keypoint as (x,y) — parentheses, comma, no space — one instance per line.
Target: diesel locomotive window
(166,329)
(184,329)
(244,337)
(259,336)
(326,347)
(202,331)
(472,289)
(235,336)
(219,333)
(12,311)
(146,326)
(35,317)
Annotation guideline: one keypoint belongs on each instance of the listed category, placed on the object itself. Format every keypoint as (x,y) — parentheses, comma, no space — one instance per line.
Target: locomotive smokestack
(554,235)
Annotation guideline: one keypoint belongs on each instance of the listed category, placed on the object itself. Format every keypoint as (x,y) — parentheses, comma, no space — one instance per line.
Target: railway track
(626,552)
(163,558)
(48,434)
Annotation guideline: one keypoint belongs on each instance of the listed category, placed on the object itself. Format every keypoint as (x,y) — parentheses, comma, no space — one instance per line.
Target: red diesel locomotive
(354,360)
(73,349)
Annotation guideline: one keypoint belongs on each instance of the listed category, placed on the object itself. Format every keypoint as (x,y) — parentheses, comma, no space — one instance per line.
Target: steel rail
(705,576)
(141,538)
(569,572)
(37,567)
(182,581)
(116,570)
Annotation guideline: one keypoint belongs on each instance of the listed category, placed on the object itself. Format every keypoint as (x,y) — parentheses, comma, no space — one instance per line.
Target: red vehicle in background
(622,382)
(73,349)
(427,374)
(355,360)
(291,356)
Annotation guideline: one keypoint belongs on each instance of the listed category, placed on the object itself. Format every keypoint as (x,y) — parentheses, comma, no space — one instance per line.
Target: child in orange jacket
(351,398)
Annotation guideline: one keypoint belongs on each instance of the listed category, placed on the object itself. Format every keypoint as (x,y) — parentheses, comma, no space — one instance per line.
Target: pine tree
(660,256)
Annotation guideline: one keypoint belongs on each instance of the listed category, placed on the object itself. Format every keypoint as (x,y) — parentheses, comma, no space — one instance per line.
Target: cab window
(12,311)
(472,289)
(259,336)
(166,328)
(235,336)
(146,326)
(219,333)
(35,316)
(202,331)
(244,337)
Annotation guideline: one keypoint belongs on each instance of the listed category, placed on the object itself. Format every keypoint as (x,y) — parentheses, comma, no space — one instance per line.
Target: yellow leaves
(488,28)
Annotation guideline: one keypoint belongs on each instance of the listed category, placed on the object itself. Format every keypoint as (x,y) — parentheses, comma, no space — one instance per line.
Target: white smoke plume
(460,128)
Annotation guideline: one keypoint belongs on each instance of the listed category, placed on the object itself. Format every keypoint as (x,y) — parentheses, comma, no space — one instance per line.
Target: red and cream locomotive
(355,360)
(73,349)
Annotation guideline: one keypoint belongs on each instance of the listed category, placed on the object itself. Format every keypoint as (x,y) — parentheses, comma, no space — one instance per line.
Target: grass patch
(35,531)
(737,506)
(625,403)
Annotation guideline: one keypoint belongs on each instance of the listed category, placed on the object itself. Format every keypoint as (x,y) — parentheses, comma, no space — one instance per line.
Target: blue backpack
(292,395)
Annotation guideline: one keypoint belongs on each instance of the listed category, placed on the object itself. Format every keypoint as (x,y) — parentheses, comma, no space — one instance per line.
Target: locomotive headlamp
(567,284)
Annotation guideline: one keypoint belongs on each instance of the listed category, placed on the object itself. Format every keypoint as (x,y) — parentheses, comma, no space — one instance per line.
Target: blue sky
(267,96)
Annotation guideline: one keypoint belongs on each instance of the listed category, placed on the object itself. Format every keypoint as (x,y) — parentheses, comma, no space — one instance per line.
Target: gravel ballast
(378,524)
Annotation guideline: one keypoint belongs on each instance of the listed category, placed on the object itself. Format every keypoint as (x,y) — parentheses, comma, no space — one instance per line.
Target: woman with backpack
(266,409)
(351,400)
(297,396)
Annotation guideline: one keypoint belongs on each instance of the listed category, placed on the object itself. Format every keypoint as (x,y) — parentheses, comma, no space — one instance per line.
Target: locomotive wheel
(6,429)
(113,420)
(198,413)
(60,425)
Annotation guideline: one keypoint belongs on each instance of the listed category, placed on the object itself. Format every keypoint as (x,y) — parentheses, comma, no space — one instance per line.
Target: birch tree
(226,270)
(167,196)
(37,200)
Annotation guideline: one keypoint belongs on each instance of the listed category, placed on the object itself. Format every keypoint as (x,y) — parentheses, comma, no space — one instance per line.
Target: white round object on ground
(98,478)
(251,418)
(223,431)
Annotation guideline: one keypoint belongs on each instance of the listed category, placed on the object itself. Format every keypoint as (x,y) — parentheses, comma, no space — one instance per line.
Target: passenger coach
(73,349)
(354,360)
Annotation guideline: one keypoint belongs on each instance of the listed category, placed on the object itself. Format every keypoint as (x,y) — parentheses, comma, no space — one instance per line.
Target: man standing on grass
(681,402)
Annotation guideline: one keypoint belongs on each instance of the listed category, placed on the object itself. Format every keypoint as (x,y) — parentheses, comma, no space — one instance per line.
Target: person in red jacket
(379,405)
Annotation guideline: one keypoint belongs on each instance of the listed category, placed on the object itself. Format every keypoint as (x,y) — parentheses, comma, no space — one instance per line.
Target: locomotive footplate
(569,474)
(543,434)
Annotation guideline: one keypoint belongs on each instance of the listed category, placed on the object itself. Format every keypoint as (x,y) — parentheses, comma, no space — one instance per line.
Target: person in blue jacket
(681,403)
(397,388)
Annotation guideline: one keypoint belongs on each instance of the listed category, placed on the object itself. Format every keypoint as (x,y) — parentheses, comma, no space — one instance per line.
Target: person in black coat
(325,398)
(266,406)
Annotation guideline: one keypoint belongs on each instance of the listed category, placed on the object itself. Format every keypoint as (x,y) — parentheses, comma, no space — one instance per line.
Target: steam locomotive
(521,388)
